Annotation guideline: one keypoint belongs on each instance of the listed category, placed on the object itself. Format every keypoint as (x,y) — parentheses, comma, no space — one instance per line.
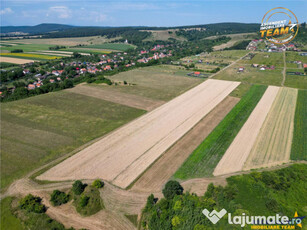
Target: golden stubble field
(124,154)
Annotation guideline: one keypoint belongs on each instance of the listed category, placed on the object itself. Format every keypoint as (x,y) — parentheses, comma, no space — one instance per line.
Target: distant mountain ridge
(41,28)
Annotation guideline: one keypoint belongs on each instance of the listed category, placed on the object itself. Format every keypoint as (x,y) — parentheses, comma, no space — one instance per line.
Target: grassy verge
(206,156)
(299,142)
(8,219)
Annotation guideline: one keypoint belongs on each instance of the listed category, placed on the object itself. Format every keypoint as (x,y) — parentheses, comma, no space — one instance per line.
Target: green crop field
(28,47)
(299,142)
(8,219)
(296,81)
(251,75)
(39,129)
(158,82)
(87,50)
(205,157)
(111,46)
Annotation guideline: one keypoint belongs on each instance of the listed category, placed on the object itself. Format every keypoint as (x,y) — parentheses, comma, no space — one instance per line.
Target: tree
(171,189)
(98,183)
(78,187)
(83,201)
(76,55)
(32,204)
(58,198)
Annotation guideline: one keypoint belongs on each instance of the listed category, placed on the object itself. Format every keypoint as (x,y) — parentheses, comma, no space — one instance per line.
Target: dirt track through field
(273,144)
(15,60)
(158,174)
(118,97)
(237,153)
(124,154)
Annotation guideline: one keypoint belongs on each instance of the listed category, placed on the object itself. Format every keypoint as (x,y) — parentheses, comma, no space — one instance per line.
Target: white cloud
(59,12)
(6,11)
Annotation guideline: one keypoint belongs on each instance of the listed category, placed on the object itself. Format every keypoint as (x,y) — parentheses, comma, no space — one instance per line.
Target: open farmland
(206,156)
(264,58)
(157,175)
(123,155)
(29,56)
(251,75)
(111,46)
(299,142)
(158,82)
(163,35)
(237,153)
(15,60)
(273,143)
(39,129)
(131,100)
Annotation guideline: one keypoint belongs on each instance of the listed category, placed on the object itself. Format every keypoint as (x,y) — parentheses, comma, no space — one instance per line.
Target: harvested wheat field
(237,153)
(273,144)
(160,172)
(15,60)
(124,154)
(130,100)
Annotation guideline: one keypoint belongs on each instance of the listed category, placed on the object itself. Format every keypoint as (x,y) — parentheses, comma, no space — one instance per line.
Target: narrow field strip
(273,144)
(299,143)
(15,60)
(162,170)
(123,155)
(237,153)
(206,156)
(50,54)
(130,100)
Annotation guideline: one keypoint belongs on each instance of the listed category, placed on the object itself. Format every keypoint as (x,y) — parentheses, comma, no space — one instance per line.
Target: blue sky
(140,13)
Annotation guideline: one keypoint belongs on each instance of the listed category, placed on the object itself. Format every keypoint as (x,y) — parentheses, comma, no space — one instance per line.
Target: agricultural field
(111,46)
(234,39)
(39,129)
(237,153)
(157,82)
(206,156)
(299,142)
(264,58)
(14,60)
(30,56)
(73,41)
(295,81)
(251,75)
(163,35)
(273,143)
(153,133)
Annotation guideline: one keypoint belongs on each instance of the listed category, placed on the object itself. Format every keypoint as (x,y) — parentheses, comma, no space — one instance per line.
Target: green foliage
(58,198)
(299,141)
(89,202)
(98,183)
(111,46)
(32,204)
(252,194)
(78,187)
(171,189)
(206,156)
(241,45)
(4,65)
(8,219)
(17,51)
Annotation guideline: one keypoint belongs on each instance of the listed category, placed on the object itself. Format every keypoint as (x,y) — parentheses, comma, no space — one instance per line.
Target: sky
(141,13)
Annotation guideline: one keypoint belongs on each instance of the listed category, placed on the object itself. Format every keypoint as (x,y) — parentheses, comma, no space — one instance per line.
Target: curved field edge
(299,142)
(206,156)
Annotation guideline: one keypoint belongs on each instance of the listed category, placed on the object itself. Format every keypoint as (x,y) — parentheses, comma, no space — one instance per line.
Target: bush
(78,187)
(32,204)
(98,183)
(17,51)
(83,201)
(171,189)
(58,198)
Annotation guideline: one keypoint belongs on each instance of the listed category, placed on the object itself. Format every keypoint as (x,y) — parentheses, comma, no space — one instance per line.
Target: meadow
(156,82)
(111,46)
(264,58)
(206,156)
(251,75)
(299,142)
(39,129)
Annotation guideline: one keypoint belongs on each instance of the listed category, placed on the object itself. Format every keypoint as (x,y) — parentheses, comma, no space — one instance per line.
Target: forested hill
(38,29)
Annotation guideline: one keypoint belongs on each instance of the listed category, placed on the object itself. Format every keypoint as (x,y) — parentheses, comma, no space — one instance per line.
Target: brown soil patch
(15,60)
(156,176)
(118,97)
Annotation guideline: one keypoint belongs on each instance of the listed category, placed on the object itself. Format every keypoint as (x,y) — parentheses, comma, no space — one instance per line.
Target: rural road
(284,70)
